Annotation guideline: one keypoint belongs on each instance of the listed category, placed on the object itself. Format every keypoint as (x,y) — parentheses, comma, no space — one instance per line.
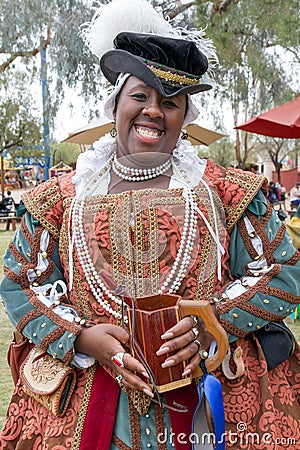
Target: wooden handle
(203,310)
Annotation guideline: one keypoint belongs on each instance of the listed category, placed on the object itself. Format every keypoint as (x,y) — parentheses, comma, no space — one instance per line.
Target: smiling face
(147,123)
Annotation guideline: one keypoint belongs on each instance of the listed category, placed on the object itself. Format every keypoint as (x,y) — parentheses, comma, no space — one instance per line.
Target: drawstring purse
(49,381)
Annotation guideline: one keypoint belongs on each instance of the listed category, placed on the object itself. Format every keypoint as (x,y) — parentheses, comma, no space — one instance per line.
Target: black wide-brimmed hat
(170,66)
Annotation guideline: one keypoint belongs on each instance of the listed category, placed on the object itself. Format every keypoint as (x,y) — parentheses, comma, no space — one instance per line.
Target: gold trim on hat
(173,77)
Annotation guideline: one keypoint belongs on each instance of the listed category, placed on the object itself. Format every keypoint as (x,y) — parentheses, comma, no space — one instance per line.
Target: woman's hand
(180,339)
(102,342)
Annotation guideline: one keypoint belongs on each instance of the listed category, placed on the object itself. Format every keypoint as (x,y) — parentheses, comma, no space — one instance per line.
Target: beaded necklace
(106,298)
(133,174)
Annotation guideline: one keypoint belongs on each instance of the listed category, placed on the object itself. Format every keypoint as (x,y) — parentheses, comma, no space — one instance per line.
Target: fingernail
(162,351)
(167,335)
(186,372)
(147,392)
(168,363)
(145,374)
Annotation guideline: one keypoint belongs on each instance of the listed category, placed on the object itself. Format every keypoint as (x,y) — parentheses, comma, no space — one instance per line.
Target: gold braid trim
(250,185)
(174,77)
(40,203)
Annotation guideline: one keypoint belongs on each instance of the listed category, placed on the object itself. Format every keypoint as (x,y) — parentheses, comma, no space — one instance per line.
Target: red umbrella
(282,121)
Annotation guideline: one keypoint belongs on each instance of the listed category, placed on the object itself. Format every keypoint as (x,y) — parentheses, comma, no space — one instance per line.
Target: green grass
(295,327)
(6,384)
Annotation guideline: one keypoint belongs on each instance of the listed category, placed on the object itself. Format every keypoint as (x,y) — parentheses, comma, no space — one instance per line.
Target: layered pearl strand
(101,293)
(183,257)
(134,174)
(179,268)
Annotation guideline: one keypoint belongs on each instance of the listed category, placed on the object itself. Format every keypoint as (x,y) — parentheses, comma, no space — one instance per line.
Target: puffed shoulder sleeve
(266,271)
(33,288)
(45,204)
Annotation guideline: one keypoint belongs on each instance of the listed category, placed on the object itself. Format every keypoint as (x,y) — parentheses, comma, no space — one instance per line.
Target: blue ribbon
(211,389)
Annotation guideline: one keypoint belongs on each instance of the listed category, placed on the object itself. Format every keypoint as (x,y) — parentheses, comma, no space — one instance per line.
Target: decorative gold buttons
(43,325)
(235,315)
(266,301)
(283,253)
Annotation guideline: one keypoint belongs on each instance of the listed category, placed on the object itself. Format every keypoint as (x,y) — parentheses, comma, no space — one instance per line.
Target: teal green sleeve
(266,284)
(23,285)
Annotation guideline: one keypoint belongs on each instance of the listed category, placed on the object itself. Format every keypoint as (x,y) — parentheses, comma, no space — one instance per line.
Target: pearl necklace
(177,272)
(133,174)
(102,294)
(98,288)
(183,257)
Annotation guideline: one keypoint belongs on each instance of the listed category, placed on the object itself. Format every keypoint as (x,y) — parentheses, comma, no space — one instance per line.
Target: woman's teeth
(148,133)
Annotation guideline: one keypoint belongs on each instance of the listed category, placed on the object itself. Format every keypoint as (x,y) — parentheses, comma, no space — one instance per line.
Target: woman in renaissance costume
(145,216)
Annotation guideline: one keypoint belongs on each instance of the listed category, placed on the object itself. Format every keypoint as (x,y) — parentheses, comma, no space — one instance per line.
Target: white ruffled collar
(185,162)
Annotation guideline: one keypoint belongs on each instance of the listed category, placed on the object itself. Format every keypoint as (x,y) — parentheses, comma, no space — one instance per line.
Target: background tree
(254,43)
(19,125)
(257,43)
(277,150)
(65,152)
(221,152)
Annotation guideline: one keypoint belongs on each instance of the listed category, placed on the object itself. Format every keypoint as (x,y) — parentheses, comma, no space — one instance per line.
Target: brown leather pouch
(17,352)
(49,381)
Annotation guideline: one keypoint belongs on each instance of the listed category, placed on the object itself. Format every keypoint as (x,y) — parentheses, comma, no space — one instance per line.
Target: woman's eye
(139,96)
(170,103)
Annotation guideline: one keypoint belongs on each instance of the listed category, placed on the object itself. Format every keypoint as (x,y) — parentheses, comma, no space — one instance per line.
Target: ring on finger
(119,379)
(195,319)
(198,344)
(203,354)
(195,331)
(118,359)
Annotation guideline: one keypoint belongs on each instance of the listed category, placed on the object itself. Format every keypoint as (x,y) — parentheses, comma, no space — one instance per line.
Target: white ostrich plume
(137,16)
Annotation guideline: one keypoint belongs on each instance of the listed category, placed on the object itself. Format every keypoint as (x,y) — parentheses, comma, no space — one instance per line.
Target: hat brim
(115,62)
